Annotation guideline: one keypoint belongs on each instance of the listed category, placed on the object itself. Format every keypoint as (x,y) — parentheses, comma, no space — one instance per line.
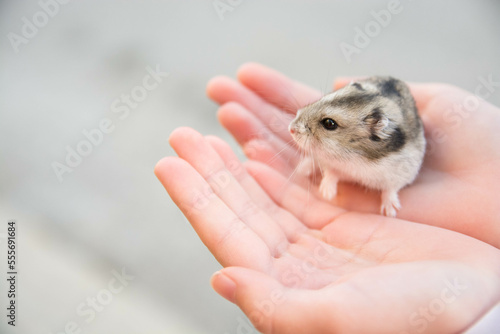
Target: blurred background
(102,248)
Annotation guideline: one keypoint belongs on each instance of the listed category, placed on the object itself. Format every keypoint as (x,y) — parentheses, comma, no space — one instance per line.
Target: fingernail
(224,286)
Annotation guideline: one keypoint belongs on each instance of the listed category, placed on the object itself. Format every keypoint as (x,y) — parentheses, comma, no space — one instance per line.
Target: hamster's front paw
(328,186)
(390,203)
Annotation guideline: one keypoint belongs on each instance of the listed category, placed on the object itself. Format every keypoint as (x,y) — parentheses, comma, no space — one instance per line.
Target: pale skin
(295,263)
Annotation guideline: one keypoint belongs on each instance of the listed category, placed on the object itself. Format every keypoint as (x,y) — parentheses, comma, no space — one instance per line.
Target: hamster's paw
(328,186)
(390,203)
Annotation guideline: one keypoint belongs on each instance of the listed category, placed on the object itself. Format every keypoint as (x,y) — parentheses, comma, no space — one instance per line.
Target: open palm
(296,264)
(459,181)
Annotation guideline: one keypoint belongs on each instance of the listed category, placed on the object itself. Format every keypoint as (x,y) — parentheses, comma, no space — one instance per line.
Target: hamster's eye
(329,124)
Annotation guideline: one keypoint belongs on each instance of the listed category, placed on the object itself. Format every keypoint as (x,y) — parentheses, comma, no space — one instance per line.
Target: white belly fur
(391,172)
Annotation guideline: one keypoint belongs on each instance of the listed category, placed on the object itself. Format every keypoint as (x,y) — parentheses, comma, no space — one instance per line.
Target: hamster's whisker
(327,86)
(309,178)
(289,177)
(315,164)
(297,104)
(293,155)
(276,155)
(304,152)
(301,155)
(290,109)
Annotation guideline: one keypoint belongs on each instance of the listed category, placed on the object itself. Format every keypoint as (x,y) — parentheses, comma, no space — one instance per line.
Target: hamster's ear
(378,125)
(356,84)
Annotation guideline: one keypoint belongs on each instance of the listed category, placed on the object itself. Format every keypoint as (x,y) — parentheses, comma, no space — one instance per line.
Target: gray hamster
(368,132)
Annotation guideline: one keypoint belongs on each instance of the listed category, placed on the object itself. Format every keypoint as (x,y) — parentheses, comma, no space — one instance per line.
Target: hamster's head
(355,120)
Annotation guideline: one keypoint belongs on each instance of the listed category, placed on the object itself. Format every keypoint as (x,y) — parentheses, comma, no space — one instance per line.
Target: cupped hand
(296,264)
(460,178)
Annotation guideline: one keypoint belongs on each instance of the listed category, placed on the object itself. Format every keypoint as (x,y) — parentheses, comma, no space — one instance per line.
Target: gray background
(111,212)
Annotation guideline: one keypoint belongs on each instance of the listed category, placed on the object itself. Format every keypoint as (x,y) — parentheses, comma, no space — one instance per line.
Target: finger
(270,306)
(277,89)
(223,90)
(220,229)
(290,225)
(290,196)
(302,240)
(306,246)
(260,150)
(256,139)
(192,147)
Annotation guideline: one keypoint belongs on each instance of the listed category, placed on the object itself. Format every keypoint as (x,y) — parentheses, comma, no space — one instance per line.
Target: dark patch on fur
(353,101)
(389,88)
(384,147)
(397,140)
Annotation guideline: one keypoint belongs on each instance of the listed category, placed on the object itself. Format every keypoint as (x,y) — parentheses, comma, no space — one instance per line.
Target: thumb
(269,305)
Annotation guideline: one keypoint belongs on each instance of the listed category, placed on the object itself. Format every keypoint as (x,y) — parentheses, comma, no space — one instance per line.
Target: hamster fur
(368,132)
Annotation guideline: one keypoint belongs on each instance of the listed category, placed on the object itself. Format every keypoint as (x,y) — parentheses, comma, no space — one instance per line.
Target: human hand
(296,264)
(457,186)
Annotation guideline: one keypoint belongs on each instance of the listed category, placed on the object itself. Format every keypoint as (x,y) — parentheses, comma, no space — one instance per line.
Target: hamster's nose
(292,130)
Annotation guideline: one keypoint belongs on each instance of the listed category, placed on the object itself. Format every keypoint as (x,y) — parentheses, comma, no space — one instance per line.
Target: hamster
(368,132)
